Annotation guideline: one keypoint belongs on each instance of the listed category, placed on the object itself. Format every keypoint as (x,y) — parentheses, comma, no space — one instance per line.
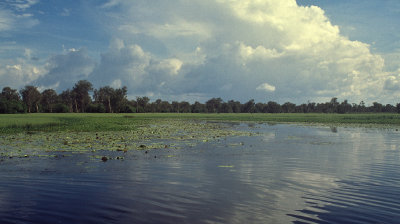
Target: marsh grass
(99,135)
(165,134)
(121,122)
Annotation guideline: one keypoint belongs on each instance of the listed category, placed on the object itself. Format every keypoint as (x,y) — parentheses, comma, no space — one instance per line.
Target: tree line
(114,100)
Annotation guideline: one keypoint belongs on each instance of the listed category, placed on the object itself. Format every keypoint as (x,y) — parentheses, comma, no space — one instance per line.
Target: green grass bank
(16,123)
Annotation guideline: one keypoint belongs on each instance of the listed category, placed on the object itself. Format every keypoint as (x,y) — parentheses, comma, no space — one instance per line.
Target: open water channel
(281,174)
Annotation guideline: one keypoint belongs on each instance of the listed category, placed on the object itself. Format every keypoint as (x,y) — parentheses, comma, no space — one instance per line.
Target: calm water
(285,174)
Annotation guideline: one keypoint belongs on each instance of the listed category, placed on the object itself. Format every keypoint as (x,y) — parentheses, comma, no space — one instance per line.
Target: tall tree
(165,107)
(49,98)
(67,98)
(235,105)
(10,94)
(333,105)
(289,107)
(344,107)
(103,96)
(142,103)
(274,107)
(175,106)
(261,108)
(248,107)
(184,107)
(119,100)
(31,97)
(157,105)
(226,108)
(10,101)
(81,95)
(376,107)
(198,107)
(213,105)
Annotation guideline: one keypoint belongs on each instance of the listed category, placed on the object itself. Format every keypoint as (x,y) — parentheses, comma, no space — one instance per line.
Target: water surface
(280,174)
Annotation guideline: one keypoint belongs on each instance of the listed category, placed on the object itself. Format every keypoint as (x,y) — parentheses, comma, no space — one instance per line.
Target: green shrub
(61,108)
(96,108)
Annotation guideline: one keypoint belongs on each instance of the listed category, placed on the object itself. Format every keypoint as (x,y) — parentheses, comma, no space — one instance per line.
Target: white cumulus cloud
(266,87)
(18,75)
(234,49)
(64,70)
(244,43)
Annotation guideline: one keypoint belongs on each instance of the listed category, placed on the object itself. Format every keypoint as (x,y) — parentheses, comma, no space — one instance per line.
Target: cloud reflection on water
(277,176)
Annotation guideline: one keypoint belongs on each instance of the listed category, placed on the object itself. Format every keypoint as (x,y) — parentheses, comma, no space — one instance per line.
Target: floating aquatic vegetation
(321,143)
(167,134)
(294,138)
(226,166)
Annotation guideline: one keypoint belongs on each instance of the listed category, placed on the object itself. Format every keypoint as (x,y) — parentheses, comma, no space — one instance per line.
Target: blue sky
(309,50)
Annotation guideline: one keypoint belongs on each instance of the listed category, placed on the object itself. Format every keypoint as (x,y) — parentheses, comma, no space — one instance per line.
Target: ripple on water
(251,179)
(364,198)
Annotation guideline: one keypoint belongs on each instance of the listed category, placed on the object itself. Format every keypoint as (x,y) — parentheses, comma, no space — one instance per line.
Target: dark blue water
(284,174)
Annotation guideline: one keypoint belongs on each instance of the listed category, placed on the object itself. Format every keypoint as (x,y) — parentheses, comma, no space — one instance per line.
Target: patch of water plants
(164,134)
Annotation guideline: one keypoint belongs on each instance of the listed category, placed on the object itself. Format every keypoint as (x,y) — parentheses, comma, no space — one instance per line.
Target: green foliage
(142,104)
(49,98)
(10,94)
(110,100)
(80,94)
(95,108)
(128,109)
(31,97)
(113,100)
(60,108)
(11,107)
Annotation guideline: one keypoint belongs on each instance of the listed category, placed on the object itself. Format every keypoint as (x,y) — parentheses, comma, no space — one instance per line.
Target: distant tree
(261,108)
(248,107)
(274,107)
(226,108)
(184,107)
(311,107)
(67,98)
(361,107)
(10,94)
(31,97)
(103,96)
(198,107)
(175,107)
(344,107)
(235,105)
(389,108)
(11,106)
(322,108)
(142,103)
(130,106)
(213,105)
(95,108)
(10,102)
(302,108)
(288,107)
(376,107)
(165,107)
(119,99)
(49,99)
(61,108)
(114,100)
(81,95)
(333,105)
(156,106)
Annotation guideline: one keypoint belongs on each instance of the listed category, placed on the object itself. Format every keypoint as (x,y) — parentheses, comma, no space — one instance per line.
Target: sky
(193,50)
